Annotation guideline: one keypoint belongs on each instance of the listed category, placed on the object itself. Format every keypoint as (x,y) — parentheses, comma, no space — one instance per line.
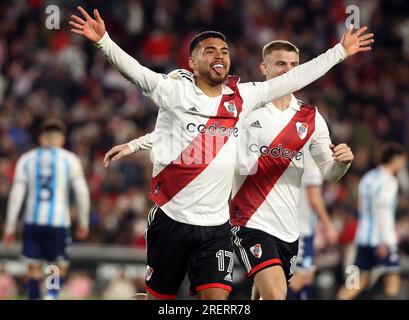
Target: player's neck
(387,168)
(283,103)
(208,89)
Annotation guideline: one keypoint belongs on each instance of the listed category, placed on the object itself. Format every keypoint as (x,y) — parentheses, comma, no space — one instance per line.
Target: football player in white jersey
(266,188)
(310,206)
(194,152)
(376,238)
(44,177)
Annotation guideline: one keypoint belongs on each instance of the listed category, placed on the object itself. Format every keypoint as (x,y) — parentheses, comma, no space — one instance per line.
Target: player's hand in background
(117,153)
(8,239)
(342,153)
(382,251)
(358,41)
(92,29)
(81,233)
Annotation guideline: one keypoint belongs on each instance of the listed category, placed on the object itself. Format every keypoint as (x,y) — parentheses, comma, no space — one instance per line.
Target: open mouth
(218,68)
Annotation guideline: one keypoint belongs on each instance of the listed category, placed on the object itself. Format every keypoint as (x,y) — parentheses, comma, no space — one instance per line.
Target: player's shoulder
(67,154)
(180,74)
(388,177)
(303,104)
(28,155)
(371,174)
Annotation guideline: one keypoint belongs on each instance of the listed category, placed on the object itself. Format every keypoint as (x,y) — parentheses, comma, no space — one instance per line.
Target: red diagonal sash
(181,171)
(256,188)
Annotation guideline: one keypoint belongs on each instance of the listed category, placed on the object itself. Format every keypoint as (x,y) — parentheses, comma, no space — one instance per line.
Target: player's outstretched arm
(259,93)
(94,30)
(123,150)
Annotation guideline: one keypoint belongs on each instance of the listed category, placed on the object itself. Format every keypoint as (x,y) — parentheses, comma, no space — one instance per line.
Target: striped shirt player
(42,180)
(376,238)
(378,192)
(44,177)
(194,154)
(266,188)
(307,216)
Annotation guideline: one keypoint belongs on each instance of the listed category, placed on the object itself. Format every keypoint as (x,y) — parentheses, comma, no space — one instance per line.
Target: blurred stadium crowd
(55,73)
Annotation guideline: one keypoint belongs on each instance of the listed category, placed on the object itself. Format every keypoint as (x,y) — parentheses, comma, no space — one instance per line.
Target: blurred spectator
(119,288)
(79,286)
(8,288)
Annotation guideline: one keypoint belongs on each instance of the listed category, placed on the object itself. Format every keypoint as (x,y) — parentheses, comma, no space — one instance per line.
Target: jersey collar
(295,104)
(225,89)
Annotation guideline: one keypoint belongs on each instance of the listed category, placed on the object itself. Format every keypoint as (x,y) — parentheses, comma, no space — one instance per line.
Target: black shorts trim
(160,295)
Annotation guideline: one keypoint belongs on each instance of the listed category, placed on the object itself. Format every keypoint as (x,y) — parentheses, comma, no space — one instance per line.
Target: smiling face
(210,61)
(278,62)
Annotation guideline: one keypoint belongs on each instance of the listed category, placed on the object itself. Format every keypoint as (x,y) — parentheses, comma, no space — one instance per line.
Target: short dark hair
(203,36)
(391,150)
(279,45)
(53,124)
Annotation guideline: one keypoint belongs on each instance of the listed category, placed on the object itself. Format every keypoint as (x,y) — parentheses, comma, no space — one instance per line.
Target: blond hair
(279,45)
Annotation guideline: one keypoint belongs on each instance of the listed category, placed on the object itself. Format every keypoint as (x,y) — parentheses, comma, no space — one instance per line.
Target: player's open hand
(92,29)
(357,42)
(117,153)
(342,153)
(8,240)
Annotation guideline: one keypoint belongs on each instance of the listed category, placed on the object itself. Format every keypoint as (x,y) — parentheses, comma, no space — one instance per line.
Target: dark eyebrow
(214,48)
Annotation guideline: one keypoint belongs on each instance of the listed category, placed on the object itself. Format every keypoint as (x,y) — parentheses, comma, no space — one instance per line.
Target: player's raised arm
(259,93)
(94,29)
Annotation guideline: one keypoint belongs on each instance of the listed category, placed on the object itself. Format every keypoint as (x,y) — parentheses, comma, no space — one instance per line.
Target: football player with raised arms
(266,240)
(189,230)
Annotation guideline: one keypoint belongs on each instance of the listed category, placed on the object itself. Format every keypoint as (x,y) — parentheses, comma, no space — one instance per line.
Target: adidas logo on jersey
(256,124)
(228,278)
(193,109)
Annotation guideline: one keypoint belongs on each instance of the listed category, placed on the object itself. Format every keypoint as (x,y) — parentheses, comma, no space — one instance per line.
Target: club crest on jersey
(149,272)
(231,107)
(256,250)
(302,129)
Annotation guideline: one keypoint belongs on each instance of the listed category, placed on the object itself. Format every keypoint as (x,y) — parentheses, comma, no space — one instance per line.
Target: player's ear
(192,63)
(263,68)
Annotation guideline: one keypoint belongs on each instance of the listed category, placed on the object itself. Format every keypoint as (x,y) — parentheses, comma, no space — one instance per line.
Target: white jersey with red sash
(194,156)
(267,182)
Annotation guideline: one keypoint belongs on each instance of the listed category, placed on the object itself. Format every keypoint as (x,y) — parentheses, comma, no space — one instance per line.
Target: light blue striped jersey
(378,191)
(48,173)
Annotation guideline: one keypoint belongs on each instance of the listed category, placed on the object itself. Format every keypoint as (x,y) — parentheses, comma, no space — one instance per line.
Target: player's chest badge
(302,129)
(230,107)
